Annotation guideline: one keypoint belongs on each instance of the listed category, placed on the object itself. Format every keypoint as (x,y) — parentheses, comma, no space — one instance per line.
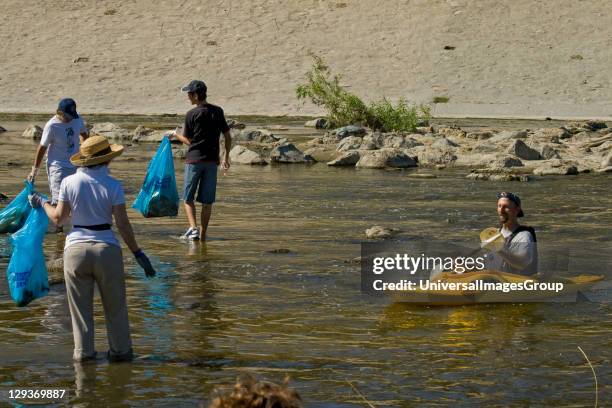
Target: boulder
(321,153)
(451,132)
(508,135)
(349,131)
(431,157)
(349,143)
(497,177)
(318,123)
(444,143)
(521,150)
(548,152)
(373,141)
(505,162)
(33,132)
(242,155)
(378,159)
(479,135)
(556,167)
(607,161)
(349,158)
(288,153)
(379,232)
(550,135)
(400,141)
(233,124)
(605,170)
(112,132)
(257,135)
(484,147)
(146,135)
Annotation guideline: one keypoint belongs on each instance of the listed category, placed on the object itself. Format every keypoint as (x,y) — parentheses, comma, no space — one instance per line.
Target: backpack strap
(521,229)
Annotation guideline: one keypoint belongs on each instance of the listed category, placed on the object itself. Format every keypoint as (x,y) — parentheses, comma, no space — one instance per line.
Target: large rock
(505,162)
(452,132)
(146,135)
(444,143)
(349,131)
(379,232)
(508,135)
(550,135)
(607,161)
(400,141)
(257,135)
(242,155)
(318,123)
(483,176)
(521,150)
(373,141)
(556,167)
(482,135)
(33,132)
(288,153)
(378,159)
(432,156)
(112,132)
(549,152)
(321,153)
(349,143)
(484,147)
(346,159)
(234,124)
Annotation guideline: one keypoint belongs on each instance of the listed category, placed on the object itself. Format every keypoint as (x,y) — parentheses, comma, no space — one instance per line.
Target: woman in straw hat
(92,252)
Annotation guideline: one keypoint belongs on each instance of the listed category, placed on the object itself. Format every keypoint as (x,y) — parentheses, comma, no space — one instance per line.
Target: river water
(236,304)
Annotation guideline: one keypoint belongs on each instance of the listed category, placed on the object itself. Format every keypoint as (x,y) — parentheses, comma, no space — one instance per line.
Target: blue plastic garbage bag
(158,196)
(27,272)
(14,215)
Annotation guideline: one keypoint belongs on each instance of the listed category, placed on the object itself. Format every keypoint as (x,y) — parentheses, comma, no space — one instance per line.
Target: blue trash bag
(14,215)
(158,196)
(27,272)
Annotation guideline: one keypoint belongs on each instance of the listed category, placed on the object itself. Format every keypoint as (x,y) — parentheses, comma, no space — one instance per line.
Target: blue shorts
(203,178)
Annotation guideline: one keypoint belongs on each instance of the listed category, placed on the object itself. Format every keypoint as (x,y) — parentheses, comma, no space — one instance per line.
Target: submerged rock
(378,159)
(242,155)
(288,153)
(497,177)
(33,132)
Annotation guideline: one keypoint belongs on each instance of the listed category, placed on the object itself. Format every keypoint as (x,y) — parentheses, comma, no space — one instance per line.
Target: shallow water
(230,306)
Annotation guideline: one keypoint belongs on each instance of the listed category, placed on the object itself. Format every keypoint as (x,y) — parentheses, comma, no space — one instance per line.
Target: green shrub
(440,99)
(344,108)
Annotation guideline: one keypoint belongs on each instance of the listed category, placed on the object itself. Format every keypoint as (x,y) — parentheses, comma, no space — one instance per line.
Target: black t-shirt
(203,127)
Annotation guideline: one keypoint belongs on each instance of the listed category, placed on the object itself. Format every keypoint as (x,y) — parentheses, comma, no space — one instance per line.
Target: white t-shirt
(522,245)
(91,193)
(62,139)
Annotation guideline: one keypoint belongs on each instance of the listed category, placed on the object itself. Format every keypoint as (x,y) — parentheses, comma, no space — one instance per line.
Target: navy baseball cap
(68,107)
(195,86)
(514,198)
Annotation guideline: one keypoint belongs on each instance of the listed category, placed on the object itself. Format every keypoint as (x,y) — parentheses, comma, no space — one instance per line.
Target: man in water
(519,253)
(204,125)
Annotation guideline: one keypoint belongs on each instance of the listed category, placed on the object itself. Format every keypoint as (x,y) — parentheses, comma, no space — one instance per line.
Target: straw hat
(96,150)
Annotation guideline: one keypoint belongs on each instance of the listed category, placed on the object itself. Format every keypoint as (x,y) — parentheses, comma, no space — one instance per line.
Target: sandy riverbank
(491,59)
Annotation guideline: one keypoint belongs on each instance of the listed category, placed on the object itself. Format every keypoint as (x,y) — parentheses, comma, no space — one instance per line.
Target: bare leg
(190,210)
(206,213)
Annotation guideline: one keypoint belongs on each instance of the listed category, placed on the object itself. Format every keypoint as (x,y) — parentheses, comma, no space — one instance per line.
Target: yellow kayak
(489,286)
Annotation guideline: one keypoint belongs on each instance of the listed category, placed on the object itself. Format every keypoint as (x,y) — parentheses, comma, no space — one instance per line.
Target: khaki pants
(84,264)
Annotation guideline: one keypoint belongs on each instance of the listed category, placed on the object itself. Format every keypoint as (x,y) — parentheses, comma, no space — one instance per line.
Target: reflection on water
(233,304)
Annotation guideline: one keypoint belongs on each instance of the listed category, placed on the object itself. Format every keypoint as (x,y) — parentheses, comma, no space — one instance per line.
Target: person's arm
(520,253)
(126,232)
(125,228)
(84,131)
(40,153)
(59,214)
(181,138)
(225,164)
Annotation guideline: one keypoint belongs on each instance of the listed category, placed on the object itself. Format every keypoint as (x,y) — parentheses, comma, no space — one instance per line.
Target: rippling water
(230,305)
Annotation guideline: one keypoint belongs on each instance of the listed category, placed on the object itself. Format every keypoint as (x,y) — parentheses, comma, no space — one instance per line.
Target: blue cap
(68,107)
(195,86)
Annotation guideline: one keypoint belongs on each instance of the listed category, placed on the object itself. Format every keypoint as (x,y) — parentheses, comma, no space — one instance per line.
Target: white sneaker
(192,234)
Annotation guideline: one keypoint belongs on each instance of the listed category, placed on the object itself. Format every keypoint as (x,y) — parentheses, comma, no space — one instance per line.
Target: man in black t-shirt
(204,125)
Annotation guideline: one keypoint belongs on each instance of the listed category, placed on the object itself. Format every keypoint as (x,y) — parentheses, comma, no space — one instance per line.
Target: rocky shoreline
(486,154)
